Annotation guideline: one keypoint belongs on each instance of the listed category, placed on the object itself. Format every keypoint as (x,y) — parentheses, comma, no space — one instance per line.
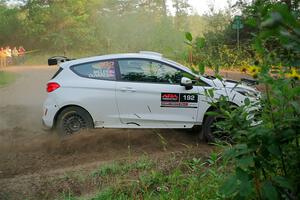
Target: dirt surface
(28,152)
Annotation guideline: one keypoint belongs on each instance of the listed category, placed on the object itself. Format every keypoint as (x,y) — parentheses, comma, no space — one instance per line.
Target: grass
(6,78)
(189,174)
(120,168)
(191,178)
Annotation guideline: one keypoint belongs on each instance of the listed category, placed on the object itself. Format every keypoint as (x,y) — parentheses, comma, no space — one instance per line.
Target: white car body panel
(140,104)
(120,104)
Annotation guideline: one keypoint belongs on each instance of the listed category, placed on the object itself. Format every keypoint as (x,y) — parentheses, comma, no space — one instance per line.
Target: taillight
(52,86)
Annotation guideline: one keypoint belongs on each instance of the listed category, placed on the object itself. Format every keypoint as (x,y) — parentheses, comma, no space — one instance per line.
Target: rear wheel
(72,120)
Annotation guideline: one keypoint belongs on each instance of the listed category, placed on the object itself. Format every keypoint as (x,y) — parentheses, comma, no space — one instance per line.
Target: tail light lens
(52,86)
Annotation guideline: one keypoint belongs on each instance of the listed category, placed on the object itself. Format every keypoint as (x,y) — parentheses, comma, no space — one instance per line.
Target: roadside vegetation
(265,152)
(6,78)
(196,178)
(92,27)
(188,174)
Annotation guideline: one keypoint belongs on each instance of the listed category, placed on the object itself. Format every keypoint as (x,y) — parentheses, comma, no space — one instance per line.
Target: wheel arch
(212,108)
(68,106)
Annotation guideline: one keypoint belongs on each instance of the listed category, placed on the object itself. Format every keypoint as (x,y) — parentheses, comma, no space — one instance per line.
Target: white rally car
(138,90)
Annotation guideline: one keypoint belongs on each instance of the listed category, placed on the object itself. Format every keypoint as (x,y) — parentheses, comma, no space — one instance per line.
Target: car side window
(138,70)
(103,70)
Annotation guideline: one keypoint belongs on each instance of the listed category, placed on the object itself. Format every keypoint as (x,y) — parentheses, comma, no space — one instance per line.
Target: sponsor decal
(181,100)
(103,70)
(172,97)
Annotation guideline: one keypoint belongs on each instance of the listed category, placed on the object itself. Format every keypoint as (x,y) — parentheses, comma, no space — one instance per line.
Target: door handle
(128,89)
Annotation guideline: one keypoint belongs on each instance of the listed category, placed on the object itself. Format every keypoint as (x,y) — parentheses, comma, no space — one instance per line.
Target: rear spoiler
(249,81)
(58,59)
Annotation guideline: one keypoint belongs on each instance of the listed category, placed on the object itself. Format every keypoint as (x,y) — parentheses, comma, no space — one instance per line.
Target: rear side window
(103,70)
(56,73)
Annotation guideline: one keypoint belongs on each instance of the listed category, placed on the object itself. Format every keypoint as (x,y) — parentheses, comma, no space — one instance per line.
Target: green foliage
(189,36)
(266,156)
(123,167)
(191,179)
(93,26)
(6,78)
(219,56)
(10,26)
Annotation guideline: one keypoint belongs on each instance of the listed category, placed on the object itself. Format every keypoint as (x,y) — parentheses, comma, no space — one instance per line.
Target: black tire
(72,120)
(210,133)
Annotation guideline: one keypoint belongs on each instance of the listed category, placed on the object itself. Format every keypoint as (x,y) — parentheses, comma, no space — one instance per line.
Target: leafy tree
(92,26)
(182,8)
(267,155)
(11,26)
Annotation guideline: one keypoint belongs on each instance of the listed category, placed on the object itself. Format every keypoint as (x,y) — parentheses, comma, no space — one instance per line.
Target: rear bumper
(48,121)
(50,109)
(45,126)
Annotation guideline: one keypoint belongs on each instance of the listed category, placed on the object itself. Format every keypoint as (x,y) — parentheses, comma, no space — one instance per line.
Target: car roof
(142,55)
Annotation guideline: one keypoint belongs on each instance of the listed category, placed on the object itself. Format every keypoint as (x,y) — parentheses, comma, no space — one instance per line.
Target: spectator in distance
(21,51)
(8,56)
(15,54)
(2,57)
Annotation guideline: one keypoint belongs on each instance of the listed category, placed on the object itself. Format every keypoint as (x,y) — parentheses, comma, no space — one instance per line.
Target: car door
(149,95)
(94,90)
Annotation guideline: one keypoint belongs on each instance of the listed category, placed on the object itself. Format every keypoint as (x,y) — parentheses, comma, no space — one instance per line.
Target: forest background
(78,28)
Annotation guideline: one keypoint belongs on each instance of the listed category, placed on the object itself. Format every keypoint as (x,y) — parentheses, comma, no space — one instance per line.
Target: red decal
(170,96)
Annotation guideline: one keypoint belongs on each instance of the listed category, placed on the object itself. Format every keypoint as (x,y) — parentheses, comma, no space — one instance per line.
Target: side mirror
(187,83)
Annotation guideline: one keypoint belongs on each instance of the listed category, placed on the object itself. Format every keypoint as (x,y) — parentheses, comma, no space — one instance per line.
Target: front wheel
(212,132)
(72,120)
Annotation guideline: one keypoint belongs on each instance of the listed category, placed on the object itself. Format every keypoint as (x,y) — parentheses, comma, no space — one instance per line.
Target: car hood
(231,84)
(227,83)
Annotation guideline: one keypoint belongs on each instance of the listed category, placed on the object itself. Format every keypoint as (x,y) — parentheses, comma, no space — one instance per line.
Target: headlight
(247,92)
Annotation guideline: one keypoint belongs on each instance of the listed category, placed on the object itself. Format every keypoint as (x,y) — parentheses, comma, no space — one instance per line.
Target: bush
(266,156)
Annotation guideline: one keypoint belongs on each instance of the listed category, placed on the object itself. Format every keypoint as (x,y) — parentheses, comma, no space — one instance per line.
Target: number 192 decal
(193,98)
(179,100)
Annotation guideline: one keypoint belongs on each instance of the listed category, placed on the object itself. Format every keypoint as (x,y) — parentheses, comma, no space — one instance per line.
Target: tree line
(101,26)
